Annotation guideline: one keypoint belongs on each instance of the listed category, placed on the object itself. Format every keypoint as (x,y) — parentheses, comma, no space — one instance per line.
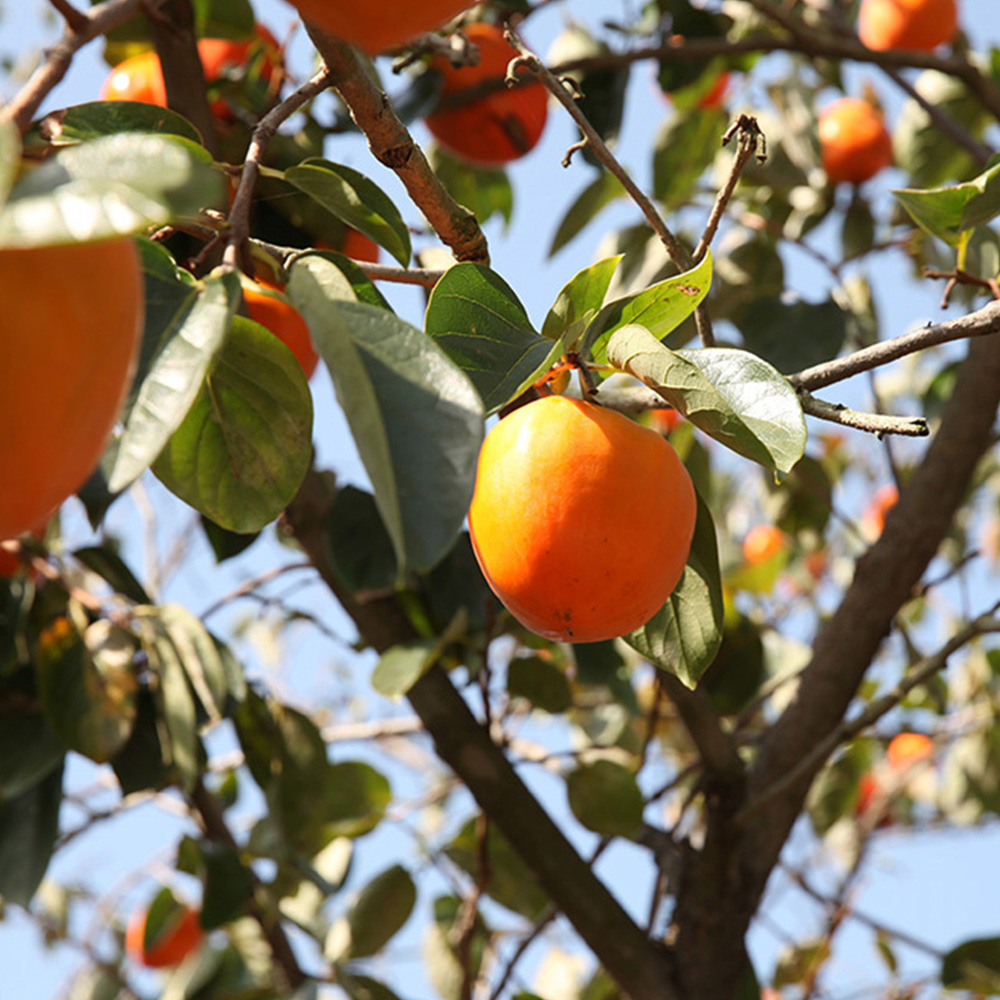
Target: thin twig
(249,586)
(846,731)
(874,423)
(239,215)
(981,323)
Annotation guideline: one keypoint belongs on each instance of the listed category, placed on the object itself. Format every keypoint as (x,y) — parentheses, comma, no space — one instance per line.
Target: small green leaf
(357,796)
(29,750)
(29,824)
(144,762)
(87,684)
(113,186)
(10,158)
(589,203)
(226,544)
(85,122)
(401,666)
(379,912)
(245,445)
(356,200)
(199,656)
(579,300)
(684,635)
(359,987)
(540,682)
(793,335)
(357,542)
(478,321)
(228,884)
(110,566)
(483,191)
(660,308)
(416,419)
(735,675)
(605,798)
(731,395)
(685,148)
(973,965)
(445,970)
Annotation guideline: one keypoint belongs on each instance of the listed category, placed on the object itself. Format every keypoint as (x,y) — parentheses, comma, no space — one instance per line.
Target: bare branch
(873,423)
(76,20)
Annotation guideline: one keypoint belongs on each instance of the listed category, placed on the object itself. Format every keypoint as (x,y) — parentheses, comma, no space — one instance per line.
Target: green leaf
(29,824)
(731,395)
(110,566)
(445,970)
(684,635)
(10,158)
(605,798)
(401,666)
(144,762)
(793,335)
(478,321)
(356,797)
(359,546)
(509,881)
(356,200)
(199,656)
(113,186)
(660,308)
(363,987)
(379,912)
(540,682)
(226,544)
(735,675)
(595,197)
(29,750)
(175,704)
(579,300)
(228,884)
(685,148)
(974,966)
(85,122)
(416,419)
(484,191)
(245,445)
(950,212)
(87,685)
(185,333)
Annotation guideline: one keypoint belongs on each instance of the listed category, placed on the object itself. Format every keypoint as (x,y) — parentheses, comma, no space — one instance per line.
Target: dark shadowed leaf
(110,566)
(686,146)
(359,987)
(592,199)
(974,966)
(357,542)
(731,395)
(242,450)
(540,682)
(144,762)
(228,884)
(483,191)
(380,910)
(478,321)
(684,635)
(605,798)
(793,335)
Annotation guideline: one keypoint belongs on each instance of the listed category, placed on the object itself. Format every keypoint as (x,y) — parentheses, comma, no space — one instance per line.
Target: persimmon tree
(765,692)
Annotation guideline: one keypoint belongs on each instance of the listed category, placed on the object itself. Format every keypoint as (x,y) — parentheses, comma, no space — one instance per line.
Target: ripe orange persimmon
(499,126)
(908,749)
(873,518)
(581,519)
(375,27)
(854,142)
(72,324)
(355,245)
(268,306)
(666,420)
(173,944)
(907,24)
(140,78)
(762,543)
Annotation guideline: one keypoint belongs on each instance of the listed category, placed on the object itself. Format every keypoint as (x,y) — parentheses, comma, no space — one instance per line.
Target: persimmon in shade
(72,325)
(499,126)
(854,142)
(375,27)
(266,304)
(581,520)
(175,942)
(922,25)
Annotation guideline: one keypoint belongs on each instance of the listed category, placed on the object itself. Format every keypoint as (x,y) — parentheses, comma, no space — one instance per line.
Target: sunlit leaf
(579,300)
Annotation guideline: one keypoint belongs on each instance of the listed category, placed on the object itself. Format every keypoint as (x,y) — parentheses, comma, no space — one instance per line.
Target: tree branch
(392,145)
(873,423)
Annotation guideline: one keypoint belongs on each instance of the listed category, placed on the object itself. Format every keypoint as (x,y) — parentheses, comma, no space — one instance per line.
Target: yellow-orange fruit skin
(375,27)
(854,141)
(922,25)
(581,519)
(71,328)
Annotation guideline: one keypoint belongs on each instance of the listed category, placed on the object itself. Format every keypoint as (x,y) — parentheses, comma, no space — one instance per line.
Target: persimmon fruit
(854,142)
(140,77)
(666,420)
(375,27)
(72,326)
(267,305)
(762,543)
(581,519)
(908,749)
(499,126)
(922,25)
(180,936)
(873,519)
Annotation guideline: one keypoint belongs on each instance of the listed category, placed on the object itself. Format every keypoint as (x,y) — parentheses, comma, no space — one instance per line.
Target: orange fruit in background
(762,543)
(907,749)
(374,27)
(907,24)
(873,519)
(356,245)
(267,305)
(173,944)
(666,420)
(140,77)
(581,519)
(72,324)
(715,95)
(854,142)
(498,127)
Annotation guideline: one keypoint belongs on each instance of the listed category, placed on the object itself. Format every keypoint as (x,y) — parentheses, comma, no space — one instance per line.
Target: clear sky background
(941,888)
